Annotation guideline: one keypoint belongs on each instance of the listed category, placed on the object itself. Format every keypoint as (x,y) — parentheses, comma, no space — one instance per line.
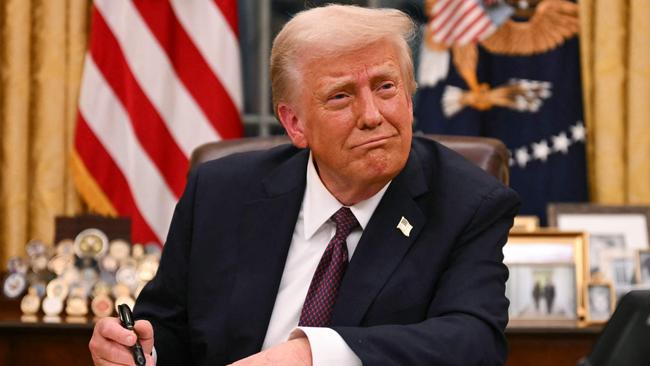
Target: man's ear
(292,124)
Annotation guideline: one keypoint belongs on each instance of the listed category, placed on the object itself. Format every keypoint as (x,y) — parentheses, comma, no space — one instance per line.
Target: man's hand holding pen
(111,343)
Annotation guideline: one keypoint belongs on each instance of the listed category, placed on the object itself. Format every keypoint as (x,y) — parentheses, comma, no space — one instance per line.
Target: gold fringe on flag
(89,189)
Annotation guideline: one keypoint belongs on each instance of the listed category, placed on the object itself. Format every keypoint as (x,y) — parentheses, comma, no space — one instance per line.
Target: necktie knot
(345,222)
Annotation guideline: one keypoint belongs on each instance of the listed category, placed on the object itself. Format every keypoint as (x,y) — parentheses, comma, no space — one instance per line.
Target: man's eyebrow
(379,72)
(336,83)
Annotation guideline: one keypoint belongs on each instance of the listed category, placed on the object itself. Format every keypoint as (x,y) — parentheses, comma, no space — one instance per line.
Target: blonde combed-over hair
(334,30)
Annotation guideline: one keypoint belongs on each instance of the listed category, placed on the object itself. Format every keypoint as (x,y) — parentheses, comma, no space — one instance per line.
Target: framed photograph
(546,276)
(643,267)
(601,302)
(616,233)
(619,266)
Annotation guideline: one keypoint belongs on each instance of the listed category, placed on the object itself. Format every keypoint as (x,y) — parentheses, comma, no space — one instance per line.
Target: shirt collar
(319,204)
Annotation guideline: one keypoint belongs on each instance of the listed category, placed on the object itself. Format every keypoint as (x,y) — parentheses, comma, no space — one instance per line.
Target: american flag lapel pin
(404,226)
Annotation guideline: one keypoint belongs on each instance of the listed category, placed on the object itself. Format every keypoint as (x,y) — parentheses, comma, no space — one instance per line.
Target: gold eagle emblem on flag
(460,25)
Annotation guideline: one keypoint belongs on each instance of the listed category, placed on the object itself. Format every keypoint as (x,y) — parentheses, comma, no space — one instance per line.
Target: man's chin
(380,171)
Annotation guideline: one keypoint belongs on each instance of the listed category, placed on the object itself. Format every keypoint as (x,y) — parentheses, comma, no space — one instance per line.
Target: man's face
(355,114)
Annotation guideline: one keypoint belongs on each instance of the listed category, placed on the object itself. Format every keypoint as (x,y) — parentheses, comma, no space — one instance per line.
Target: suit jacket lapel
(382,245)
(265,236)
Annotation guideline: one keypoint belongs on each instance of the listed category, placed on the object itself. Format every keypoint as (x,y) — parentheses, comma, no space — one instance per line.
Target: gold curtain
(42,45)
(615,51)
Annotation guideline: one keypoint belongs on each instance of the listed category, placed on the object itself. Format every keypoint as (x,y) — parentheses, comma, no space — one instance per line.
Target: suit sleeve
(469,311)
(163,300)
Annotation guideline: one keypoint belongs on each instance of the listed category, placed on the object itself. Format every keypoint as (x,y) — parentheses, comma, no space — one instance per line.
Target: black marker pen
(126,317)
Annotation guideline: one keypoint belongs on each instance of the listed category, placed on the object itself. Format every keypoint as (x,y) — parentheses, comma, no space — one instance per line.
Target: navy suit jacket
(435,297)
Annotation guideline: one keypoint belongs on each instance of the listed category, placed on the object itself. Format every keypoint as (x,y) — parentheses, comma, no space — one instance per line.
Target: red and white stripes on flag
(160,78)
(458,22)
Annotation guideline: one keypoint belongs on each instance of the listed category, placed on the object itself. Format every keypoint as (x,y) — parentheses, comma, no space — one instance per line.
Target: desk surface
(64,341)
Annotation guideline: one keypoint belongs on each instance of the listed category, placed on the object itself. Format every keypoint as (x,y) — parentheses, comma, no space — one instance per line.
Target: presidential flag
(521,85)
(161,77)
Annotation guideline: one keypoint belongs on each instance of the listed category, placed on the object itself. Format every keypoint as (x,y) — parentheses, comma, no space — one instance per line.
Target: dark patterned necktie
(319,303)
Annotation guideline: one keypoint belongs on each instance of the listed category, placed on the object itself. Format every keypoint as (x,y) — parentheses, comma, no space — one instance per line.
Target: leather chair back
(488,153)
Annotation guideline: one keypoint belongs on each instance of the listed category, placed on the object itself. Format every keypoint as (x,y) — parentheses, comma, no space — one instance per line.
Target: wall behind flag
(42,44)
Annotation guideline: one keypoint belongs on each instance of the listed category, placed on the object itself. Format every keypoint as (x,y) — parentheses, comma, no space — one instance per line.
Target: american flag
(160,78)
(458,22)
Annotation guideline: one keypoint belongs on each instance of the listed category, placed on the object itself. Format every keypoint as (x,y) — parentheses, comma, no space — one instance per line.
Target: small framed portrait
(643,267)
(619,267)
(615,233)
(600,245)
(546,276)
(600,301)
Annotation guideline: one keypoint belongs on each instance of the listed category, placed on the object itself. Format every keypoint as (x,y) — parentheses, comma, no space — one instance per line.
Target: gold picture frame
(600,302)
(643,267)
(547,274)
(525,223)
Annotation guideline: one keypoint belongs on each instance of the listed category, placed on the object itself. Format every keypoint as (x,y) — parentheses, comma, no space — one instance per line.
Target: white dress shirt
(311,235)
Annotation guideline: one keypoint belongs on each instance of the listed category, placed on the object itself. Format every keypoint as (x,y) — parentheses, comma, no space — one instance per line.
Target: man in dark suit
(359,244)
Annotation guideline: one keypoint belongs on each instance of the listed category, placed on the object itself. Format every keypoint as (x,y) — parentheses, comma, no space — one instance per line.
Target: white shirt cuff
(327,347)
